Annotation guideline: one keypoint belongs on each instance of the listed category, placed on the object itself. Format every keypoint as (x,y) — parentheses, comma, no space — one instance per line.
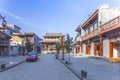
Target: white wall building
(101,31)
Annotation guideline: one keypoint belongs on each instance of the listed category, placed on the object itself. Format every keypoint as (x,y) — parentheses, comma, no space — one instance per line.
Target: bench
(83,75)
(2,65)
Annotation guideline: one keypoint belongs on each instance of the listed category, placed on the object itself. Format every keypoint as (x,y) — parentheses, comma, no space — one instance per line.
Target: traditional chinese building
(10,29)
(21,39)
(100,33)
(50,40)
(4,44)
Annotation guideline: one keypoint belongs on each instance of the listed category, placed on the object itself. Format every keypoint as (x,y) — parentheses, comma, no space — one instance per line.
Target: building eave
(90,18)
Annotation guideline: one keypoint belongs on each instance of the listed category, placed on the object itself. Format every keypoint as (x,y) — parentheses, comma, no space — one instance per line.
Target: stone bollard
(66,62)
(84,75)
(56,56)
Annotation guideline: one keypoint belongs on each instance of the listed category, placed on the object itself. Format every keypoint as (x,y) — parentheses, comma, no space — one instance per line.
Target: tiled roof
(23,34)
(50,40)
(53,34)
(12,25)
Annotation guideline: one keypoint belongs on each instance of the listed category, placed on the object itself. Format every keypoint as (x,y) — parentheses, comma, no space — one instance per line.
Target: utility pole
(3,20)
(62,48)
(0,17)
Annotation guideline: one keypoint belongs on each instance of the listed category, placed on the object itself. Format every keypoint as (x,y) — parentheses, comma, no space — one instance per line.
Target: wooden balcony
(4,43)
(109,26)
(90,35)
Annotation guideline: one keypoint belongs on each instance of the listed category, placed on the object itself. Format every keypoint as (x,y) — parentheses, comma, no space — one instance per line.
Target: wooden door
(87,49)
(95,49)
(81,49)
(110,49)
(76,50)
(101,49)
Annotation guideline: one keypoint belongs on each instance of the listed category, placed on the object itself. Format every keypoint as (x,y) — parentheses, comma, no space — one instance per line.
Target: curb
(72,70)
(12,66)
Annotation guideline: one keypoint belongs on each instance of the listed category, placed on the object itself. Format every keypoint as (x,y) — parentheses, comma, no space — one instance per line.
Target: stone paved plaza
(97,68)
(46,68)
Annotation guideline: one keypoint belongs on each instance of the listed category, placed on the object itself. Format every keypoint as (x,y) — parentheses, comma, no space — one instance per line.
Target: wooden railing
(4,43)
(90,35)
(110,25)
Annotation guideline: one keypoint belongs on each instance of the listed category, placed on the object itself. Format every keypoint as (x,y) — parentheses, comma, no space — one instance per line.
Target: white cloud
(35,27)
(17,18)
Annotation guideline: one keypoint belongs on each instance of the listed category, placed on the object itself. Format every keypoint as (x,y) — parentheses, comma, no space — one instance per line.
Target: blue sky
(41,16)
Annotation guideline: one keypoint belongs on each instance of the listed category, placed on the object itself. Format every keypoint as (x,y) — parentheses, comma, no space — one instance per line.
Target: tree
(68,43)
(58,48)
(28,45)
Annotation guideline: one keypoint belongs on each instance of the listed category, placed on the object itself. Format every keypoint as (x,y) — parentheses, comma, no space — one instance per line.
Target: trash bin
(2,66)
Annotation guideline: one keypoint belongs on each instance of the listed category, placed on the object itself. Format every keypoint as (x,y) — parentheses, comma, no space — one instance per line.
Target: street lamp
(4,22)
(62,42)
(70,48)
(69,52)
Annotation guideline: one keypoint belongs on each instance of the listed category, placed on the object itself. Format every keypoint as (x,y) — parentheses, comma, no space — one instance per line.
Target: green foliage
(28,45)
(68,42)
(58,47)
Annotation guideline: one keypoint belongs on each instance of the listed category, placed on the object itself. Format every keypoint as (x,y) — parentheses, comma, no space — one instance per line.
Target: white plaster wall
(74,50)
(116,53)
(92,49)
(106,47)
(84,49)
(82,32)
(15,43)
(14,51)
(107,14)
(8,31)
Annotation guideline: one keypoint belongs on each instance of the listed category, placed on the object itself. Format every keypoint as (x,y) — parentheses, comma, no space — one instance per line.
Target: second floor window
(91,28)
(95,26)
(88,30)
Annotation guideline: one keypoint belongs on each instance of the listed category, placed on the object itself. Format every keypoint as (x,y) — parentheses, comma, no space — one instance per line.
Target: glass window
(91,28)
(88,30)
(95,25)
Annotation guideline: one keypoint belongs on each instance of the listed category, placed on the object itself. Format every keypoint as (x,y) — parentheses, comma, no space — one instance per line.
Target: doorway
(88,49)
(98,49)
(110,49)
